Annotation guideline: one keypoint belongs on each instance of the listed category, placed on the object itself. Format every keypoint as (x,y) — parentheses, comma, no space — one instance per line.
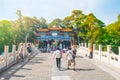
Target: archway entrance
(66,44)
(48,45)
(54,36)
(42,45)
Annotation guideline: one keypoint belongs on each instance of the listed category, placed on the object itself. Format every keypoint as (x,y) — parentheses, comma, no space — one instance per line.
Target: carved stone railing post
(85,45)
(13,51)
(82,44)
(88,45)
(100,49)
(79,44)
(108,53)
(6,50)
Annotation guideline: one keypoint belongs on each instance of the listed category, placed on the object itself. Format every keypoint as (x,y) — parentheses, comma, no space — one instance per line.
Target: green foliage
(109,35)
(56,22)
(14,32)
(113,31)
(43,23)
(90,29)
(87,27)
(7,34)
(97,46)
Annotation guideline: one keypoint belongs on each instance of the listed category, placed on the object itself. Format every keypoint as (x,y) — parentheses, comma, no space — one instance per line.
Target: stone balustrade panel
(96,54)
(9,58)
(2,61)
(104,56)
(114,60)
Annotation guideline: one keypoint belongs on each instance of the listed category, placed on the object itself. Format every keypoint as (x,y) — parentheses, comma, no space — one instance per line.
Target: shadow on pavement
(79,57)
(18,76)
(76,69)
(26,69)
(36,60)
(79,69)
(63,69)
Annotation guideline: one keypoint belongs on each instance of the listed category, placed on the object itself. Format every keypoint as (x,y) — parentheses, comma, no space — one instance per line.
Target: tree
(82,24)
(56,22)
(119,18)
(7,34)
(26,27)
(113,31)
(43,23)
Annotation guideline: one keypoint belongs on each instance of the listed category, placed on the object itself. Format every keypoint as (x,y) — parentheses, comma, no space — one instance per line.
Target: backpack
(70,54)
(74,53)
(29,49)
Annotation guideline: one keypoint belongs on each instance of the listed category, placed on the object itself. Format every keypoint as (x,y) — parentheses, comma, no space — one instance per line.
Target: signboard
(66,35)
(54,34)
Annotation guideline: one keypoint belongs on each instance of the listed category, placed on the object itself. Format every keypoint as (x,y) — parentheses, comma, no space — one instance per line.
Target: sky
(105,10)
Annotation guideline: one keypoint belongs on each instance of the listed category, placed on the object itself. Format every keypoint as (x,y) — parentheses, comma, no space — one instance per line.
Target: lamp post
(27,35)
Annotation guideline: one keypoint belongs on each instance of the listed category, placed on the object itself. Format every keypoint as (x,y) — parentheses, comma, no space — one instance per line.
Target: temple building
(61,37)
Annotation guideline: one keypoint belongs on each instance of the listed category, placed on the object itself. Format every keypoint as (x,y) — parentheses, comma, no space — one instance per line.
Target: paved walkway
(41,67)
(38,68)
(85,70)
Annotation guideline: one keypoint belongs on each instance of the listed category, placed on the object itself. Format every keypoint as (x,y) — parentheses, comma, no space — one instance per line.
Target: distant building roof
(55,28)
(67,30)
(42,30)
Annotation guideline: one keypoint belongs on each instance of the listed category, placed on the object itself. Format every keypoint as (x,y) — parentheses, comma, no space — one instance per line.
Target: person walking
(53,48)
(29,50)
(69,57)
(91,51)
(74,56)
(20,51)
(58,55)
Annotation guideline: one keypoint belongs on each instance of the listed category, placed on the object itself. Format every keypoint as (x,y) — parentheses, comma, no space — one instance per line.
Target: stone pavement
(112,70)
(85,70)
(41,67)
(38,68)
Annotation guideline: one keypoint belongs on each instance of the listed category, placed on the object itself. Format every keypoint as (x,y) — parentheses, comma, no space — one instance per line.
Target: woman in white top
(69,57)
(58,56)
(21,52)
